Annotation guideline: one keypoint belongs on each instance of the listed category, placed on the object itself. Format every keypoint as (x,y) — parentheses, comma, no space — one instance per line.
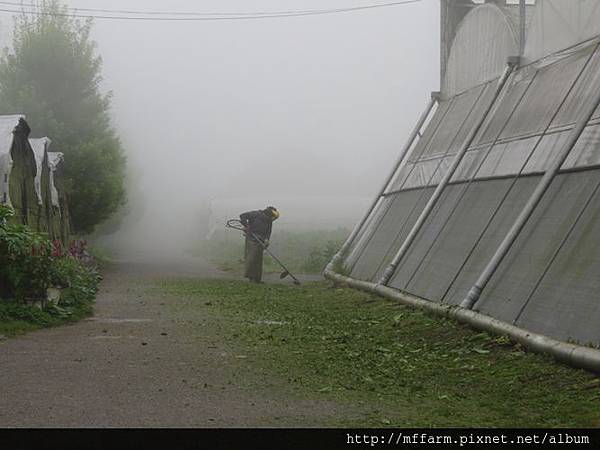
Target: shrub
(27,269)
(319,257)
(81,281)
(25,259)
(10,311)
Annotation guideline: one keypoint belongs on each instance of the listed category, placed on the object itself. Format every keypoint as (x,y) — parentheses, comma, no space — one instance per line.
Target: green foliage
(27,269)
(63,270)
(10,311)
(319,257)
(53,75)
(102,256)
(25,258)
(82,281)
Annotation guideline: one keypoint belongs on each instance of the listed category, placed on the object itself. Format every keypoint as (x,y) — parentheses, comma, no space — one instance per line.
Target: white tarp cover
(39,147)
(54,159)
(560,24)
(7,126)
(484,40)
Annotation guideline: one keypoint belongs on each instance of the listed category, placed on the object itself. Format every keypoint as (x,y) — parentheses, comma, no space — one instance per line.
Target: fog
(305,113)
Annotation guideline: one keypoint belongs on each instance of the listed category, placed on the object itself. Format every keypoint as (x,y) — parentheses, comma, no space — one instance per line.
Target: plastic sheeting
(40,148)
(484,40)
(466,239)
(543,98)
(560,24)
(546,100)
(386,237)
(568,306)
(363,238)
(436,121)
(565,303)
(54,159)
(7,126)
(445,135)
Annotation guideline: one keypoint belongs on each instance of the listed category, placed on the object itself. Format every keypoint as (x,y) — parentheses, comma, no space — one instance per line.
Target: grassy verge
(103,257)
(301,252)
(392,364)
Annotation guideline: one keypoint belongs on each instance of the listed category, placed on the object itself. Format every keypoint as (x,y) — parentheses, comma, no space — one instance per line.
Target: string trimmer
(237,225)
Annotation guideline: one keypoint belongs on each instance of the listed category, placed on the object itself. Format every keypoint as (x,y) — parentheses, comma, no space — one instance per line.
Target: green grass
(16,319)
(393,365)
(301,252)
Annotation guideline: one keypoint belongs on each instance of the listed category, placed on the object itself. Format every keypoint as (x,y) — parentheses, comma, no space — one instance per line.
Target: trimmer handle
(235,224)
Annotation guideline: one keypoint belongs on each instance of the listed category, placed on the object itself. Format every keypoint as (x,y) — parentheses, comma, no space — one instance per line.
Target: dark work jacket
(259,222)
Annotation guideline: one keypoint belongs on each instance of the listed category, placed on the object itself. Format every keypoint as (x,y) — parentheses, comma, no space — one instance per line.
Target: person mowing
(258,223)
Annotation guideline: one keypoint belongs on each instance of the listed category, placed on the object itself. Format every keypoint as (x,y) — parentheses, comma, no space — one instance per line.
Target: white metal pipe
(389,271)
(435,96)
(535,198)
(522,26)
(572,354)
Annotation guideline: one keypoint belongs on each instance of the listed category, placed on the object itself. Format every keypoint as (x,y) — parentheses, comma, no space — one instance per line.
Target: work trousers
(253,259)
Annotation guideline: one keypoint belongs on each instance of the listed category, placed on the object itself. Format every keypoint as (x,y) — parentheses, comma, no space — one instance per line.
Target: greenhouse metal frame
(492,210)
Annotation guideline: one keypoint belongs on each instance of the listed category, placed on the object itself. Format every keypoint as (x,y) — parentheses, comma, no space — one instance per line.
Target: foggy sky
(316,105)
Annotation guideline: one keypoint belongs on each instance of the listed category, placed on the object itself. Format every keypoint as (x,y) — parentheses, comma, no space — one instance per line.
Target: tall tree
(52,75)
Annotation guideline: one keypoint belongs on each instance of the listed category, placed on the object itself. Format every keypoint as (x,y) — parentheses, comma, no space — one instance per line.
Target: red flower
(57,248)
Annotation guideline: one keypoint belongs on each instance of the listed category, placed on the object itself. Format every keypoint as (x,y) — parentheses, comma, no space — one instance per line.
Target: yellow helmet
(274,212)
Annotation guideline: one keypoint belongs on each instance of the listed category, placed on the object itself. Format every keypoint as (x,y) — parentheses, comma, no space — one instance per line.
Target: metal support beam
(435,97)
(522,25)
(475,292)
(389,271)
(575,355)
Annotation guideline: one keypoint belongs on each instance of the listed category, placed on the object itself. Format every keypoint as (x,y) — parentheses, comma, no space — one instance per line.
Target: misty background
(304,113)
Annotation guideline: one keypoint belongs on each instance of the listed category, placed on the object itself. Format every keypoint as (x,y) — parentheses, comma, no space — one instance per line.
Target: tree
(53,76)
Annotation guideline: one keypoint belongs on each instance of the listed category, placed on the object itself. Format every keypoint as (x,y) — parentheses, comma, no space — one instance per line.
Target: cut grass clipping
(396,365)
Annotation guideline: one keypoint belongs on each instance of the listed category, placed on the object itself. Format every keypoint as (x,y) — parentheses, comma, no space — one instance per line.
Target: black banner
(133,439)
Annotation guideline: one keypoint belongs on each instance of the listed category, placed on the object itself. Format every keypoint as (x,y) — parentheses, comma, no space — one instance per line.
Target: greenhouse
(493,204)
(32,180)
(60,227)
(42,183)
(18,169)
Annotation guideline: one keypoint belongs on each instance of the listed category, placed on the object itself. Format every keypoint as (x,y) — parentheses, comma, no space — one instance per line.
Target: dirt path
(137,364)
